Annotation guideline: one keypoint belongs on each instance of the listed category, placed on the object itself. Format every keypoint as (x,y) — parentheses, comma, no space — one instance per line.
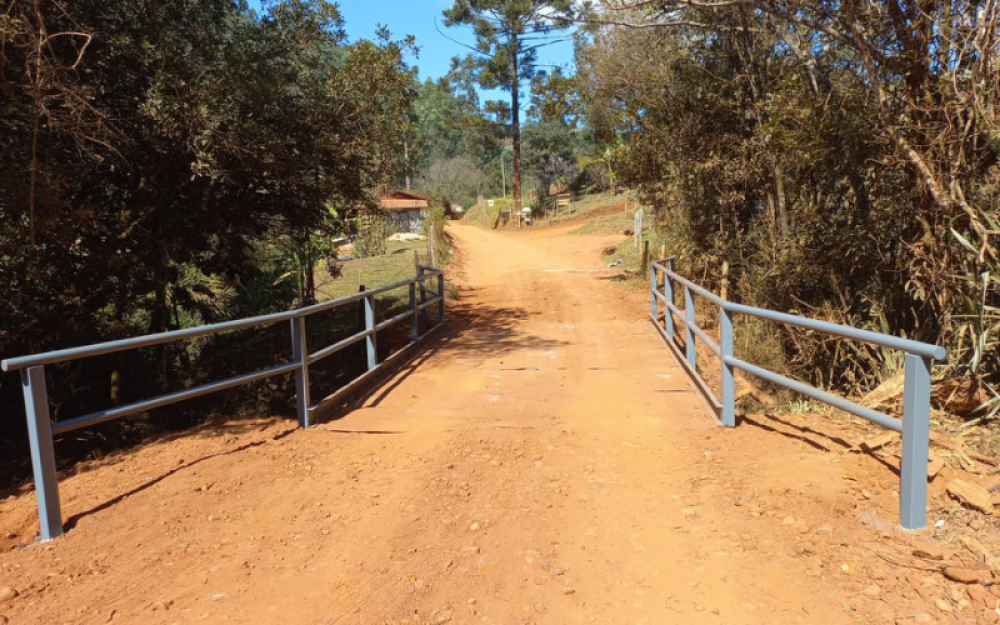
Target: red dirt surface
(544,461)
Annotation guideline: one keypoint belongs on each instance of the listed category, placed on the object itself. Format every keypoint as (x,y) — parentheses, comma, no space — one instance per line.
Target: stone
(934,466)
(942,605)
(556,570)
(7,594)
(918,586)
(568,591)
(929,552)
(474,527)
(971,496)
(878,442)
(980,597)
(966,576)
(442,616)
(872,591)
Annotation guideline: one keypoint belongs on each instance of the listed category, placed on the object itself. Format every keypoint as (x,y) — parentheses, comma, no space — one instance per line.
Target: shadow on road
(472,331)
(478,331)
(73,520)
(810,436)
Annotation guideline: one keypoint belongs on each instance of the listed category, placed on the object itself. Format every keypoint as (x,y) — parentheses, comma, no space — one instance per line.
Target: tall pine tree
(509,34)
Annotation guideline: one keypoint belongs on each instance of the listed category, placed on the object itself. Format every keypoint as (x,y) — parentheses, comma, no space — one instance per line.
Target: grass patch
(631,254)
(608,224)
(395,265)
(600,203)
(484,215)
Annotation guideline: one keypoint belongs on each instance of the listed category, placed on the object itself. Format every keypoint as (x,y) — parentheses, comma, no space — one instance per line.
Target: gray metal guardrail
(41,429)
(915,425)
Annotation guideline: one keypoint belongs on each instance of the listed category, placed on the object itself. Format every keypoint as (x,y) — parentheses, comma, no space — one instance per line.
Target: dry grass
(395,265)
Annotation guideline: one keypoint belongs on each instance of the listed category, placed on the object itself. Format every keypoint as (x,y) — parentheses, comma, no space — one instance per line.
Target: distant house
(405,211)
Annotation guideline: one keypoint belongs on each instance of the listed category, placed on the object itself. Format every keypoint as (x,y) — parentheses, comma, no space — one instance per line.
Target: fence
(41,429)
(915,425)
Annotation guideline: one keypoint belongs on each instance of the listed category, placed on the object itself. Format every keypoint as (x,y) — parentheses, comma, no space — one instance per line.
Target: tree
(155,155)
(840,156)
(509,34)
(453,180)
(552,138)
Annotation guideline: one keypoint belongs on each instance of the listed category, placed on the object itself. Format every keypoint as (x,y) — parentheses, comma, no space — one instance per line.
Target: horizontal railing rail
(914,426)
(41,429)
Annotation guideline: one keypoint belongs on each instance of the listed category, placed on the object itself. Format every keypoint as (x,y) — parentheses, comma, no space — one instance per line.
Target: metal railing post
(441,295)
(43,454)
(414,320)
(916,435)
(728,372)
(668,292)
(423,298)
(370,343)
(691,348)
(300,355)
(653,304)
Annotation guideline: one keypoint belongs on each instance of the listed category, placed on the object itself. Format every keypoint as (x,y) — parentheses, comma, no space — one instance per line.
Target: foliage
(453,181)
(508,36)
(841,157)
(173,163)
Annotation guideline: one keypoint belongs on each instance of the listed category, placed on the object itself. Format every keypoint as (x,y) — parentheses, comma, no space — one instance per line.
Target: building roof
(403,201)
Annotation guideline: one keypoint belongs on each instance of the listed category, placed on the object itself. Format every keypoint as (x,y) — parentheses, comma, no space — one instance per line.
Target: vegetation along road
(544,461)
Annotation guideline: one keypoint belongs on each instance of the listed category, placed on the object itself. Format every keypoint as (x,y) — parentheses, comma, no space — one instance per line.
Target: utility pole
(503,174)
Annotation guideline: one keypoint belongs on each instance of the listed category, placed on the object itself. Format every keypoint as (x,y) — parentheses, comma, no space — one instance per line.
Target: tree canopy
(841,157)
(157,157)
(508,35)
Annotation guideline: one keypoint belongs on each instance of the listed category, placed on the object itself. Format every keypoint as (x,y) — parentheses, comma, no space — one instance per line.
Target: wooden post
(645,257)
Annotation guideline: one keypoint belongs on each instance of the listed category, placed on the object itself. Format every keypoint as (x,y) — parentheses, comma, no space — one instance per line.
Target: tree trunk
(310,276)
(515,113)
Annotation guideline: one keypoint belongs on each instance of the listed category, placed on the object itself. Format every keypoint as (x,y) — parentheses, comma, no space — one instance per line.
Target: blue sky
(417,18)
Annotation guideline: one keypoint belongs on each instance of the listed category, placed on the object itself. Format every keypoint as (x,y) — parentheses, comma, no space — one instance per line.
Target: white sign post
(638,226)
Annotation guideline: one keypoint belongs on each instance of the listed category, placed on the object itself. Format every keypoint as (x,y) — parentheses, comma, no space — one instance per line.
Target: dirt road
(545,461)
